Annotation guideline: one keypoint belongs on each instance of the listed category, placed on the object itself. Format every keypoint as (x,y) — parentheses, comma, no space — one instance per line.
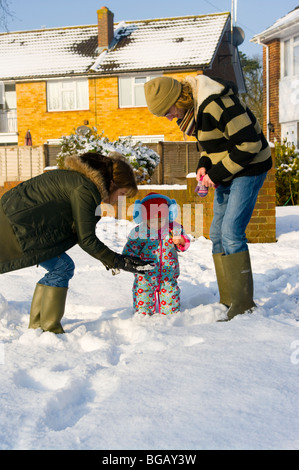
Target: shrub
(143,159)
(287,174)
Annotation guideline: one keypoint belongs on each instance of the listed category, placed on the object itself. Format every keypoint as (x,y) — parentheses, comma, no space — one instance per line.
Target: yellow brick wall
(262,225)
(33,115)
(103,113)
(261,228)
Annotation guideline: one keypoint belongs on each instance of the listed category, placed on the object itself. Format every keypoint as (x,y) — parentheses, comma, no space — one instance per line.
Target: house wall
(33,115)
(103,113)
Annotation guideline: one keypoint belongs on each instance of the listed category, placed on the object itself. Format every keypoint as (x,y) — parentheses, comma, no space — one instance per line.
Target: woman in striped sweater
(235,157)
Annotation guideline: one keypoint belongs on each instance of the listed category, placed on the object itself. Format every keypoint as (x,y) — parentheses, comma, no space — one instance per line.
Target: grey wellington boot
(221,279)
(52,308)
(238,272)
(34,320)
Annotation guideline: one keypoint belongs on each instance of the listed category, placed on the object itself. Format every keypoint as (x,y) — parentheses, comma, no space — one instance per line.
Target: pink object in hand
(200,189)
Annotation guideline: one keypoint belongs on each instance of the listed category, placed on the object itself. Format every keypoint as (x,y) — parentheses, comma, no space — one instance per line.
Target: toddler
(157,239)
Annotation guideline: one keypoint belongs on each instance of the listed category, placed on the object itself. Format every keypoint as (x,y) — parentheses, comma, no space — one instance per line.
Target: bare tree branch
(5,13)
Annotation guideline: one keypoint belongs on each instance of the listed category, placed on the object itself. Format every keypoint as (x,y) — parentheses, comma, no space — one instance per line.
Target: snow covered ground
(119,381)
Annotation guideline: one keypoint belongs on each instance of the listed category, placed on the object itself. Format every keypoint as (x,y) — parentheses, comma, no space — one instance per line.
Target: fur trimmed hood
(74,162)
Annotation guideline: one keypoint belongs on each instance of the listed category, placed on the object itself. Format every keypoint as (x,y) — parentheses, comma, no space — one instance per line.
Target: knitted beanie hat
(161,93)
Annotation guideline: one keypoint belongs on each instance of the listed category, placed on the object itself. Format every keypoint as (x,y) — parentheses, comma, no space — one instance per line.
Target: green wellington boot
(238,273)
(52,308)
(34,320)
(223,286)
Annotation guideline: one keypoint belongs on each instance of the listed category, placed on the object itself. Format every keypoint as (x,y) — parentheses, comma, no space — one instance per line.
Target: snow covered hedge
(287,174)
(143,159)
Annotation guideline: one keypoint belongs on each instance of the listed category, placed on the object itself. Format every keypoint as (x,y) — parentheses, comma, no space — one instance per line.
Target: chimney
(105,27)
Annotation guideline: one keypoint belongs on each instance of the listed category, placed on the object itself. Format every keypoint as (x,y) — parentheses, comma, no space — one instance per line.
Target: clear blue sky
(253,16)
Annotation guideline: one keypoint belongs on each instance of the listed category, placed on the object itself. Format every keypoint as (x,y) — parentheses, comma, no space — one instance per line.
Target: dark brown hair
(113,168)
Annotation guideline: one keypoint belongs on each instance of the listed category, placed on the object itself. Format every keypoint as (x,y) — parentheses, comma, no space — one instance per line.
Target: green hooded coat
(47,215)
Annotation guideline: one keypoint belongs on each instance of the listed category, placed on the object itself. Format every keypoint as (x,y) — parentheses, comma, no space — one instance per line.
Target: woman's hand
(200,172)
(132,264)
(206,181)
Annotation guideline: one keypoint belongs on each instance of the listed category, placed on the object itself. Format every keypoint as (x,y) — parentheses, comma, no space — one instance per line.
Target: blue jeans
(233,207)
(60,270)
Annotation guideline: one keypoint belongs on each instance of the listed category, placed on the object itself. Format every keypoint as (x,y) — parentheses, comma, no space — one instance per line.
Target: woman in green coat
(45,216)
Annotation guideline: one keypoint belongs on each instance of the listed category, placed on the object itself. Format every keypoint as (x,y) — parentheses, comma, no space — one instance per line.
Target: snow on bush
(143,159)
(3,304)
(287,174)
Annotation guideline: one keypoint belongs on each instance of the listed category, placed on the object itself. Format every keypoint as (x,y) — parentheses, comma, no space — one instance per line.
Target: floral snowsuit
(159,286)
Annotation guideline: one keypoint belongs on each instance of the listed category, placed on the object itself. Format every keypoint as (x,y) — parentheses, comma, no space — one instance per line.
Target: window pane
(2,95)
(287,58)
(53,98)
(125,92)
(68,100)
(296,60)
(10,96)
(82,94)
(67,95)
(140,80)
(139,96)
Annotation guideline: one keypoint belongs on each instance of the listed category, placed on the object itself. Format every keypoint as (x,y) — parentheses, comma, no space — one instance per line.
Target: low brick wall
(261,228)
(7,186)
(197,213)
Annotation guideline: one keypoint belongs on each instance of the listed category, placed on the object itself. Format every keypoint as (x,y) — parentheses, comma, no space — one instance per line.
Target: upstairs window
(67,95)
(291,57)
(8,97)
(131,91)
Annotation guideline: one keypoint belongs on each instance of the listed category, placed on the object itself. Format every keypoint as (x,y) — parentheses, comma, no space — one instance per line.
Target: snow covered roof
(169,43)
(47,52)
(285,24)
(172,43)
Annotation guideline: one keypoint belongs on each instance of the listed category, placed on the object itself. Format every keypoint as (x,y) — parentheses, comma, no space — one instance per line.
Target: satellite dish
(82,130)
(238,36)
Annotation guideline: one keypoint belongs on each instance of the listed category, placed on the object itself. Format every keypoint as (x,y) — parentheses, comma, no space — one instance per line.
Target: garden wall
(177,160)
(196,213)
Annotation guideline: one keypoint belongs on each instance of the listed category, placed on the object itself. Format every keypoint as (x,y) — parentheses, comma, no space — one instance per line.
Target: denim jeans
(60,270)
(233,207)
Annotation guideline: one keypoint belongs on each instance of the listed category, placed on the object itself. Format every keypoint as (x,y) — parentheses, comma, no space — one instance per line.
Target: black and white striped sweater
(231,137)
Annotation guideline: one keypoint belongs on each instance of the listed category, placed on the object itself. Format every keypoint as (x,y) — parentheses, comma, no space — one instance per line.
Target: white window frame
(8,108)
(293,42)
(145,139)
(133,86)
(71,86)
